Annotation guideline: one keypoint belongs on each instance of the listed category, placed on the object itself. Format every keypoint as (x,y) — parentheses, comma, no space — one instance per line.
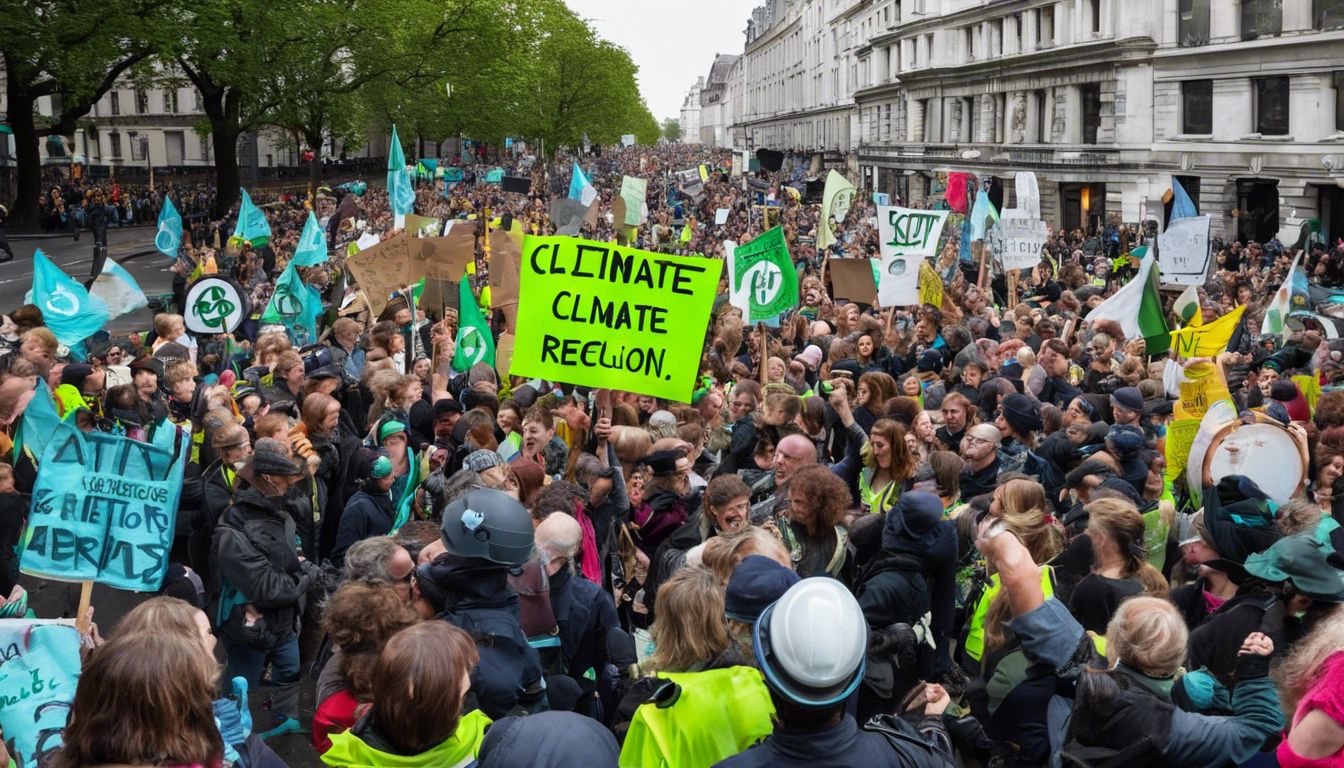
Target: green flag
(474,342)
(765,282)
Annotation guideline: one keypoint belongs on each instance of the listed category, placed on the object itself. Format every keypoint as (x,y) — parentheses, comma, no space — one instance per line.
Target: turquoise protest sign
(495,176)
(453,174)
(104,508)
(39,668)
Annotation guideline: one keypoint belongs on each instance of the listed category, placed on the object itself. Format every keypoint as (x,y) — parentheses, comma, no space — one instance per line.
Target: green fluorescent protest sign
(601,315)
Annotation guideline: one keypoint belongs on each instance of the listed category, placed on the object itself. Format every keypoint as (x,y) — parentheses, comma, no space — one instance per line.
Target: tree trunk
(227,180)
(314,167)
(28,155)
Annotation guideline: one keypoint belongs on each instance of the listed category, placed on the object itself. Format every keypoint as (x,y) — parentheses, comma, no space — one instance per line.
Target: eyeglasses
(973,440)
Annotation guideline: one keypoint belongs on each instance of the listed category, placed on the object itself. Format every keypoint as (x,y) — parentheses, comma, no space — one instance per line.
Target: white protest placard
(1028,194)
(720,217)
(907,237)
(1183,251)
(1022,239)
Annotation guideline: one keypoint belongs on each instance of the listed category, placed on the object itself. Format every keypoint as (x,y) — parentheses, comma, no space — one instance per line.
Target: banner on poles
(38,676)
(104,508)
(600,315)
(1183,251)
(764,280)
(906,237)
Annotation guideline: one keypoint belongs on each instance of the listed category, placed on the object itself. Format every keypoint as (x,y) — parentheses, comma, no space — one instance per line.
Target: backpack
(911,746)
(537,617)
(1113,729)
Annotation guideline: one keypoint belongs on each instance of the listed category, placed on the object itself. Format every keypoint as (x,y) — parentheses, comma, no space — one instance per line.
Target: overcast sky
(672,43)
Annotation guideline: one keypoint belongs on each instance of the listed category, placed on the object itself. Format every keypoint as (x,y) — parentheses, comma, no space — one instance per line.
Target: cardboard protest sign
(1180,436)
(1022,240)
(442,258)
(568,215)
(38,676)
(852,279)
(104,508)
(601,315)
(764,282)
(906,237)
(505,256)
(930,286)
(1183,251)
(383,269)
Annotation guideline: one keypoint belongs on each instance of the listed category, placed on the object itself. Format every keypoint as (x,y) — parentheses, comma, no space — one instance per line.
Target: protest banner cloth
(400,194)
(930,286)
(104,507)
(38,676)
(252,226)
(295,305)
(906,237)
(835,202)
(1183,251)
(382,269)
(1021,239)
(68,309)
(599,315)
(169,237)
(764,280)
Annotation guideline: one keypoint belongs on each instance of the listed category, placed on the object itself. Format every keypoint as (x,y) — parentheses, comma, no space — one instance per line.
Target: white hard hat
(812,642)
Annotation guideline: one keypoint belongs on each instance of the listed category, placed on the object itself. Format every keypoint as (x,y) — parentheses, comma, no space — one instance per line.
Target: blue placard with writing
(104,508)
(39,667)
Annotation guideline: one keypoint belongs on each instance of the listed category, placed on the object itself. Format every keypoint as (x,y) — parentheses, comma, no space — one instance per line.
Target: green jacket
(460,750)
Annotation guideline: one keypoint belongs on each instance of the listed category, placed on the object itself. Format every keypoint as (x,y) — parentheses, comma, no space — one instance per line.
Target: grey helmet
(490,525)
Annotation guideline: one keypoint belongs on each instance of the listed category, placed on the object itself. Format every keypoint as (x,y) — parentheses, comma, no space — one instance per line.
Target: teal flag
(39,423)
(252,226)
(67,308)
(169,238)
(295,305)
(474,342)
(400,194)
(118,290)
(453,174)
(312,247)
(495,176)
(408,494)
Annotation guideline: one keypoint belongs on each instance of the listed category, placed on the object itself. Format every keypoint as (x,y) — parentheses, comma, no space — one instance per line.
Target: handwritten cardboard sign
(104,508)
(442,258)
(39,671)
(505,255)
(1183,251)
(383,269)
(601,315)
(1022,239)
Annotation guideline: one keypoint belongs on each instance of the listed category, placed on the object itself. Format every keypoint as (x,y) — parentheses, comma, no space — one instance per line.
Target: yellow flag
(1209,339)
(835,200)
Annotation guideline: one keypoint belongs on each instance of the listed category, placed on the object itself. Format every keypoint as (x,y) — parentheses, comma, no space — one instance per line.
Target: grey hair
(367,561)
(559,536)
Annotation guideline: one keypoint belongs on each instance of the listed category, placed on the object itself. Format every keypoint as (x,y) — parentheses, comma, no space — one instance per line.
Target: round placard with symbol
(215,305)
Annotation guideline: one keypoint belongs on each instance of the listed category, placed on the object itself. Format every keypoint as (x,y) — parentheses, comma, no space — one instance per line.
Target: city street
(133,248)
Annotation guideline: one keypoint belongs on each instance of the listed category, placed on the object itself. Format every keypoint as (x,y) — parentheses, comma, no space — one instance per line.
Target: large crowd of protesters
(907,536)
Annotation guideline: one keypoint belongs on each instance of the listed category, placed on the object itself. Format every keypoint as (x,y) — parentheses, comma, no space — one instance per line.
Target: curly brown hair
(818,498)
(361,618)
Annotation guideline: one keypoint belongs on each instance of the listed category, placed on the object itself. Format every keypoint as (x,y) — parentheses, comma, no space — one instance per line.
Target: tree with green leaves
(72,52)
(672,129)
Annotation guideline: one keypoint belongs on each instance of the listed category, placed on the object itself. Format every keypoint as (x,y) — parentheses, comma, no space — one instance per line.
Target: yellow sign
(1198,394)
(930,286)
(1180,436)
(602,315)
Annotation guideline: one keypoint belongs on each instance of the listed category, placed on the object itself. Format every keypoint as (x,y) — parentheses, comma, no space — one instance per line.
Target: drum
(1265,451)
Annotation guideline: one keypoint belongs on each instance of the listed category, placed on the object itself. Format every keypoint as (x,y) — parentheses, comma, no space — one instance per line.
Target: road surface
(76,259)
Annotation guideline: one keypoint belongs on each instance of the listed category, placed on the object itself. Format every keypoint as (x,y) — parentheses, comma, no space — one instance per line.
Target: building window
(114,144)
(1339,101)
(1040,98)
(137,149)
(1019,34)
(170,101)
(1045,27)
(1327,14)
(141,102)
(1091,97)
(1197,107)
(116,103)
(1194,22)
(1261,18)
(968,43)
(1096,17)
(1271,106)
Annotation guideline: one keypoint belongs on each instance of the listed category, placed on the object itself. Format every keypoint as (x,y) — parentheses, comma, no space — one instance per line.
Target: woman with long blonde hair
(689,629)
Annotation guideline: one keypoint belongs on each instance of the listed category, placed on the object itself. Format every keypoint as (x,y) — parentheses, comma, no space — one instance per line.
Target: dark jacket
(258,564)
(366,515)
(840,745)
(549,740)
(508,679)
(585,615)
